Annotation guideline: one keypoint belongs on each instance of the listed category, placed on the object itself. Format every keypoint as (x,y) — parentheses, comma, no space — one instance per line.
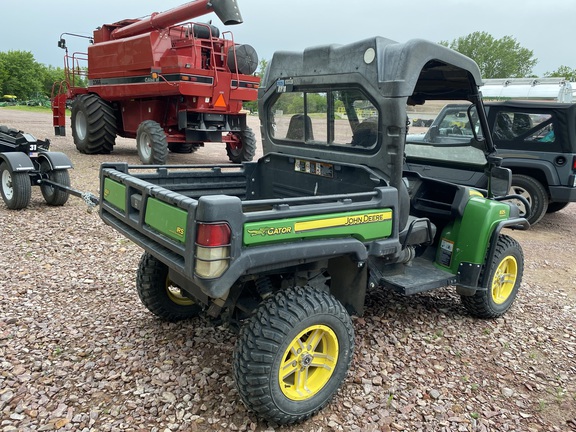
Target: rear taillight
(212,249)
(574,163)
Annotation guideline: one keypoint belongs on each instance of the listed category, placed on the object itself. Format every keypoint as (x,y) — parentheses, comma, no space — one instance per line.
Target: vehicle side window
(523,127)
(339,118)
(455,123)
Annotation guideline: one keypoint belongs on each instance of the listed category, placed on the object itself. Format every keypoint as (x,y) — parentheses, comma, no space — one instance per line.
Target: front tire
(159,294)
(52,195)
(151,143)
(15,188)
(535,194)
(241,146)
(93,125)
(554,207)
(502,279)
(293,354)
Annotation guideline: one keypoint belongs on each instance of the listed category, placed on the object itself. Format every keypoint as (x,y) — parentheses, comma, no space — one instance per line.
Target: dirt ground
(421,363)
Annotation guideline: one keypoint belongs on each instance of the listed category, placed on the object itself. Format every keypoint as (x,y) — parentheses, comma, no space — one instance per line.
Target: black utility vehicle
(537,141)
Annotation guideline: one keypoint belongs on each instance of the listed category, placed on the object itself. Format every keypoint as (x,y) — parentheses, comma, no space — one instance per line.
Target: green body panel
(467,239)
(166,219)
(115,194)
(363,225)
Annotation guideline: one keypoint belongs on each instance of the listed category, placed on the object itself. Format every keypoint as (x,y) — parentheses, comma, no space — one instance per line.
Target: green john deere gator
(287,246)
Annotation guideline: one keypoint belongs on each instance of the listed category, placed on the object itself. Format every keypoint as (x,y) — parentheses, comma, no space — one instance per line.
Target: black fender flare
(17,161)
(57,160)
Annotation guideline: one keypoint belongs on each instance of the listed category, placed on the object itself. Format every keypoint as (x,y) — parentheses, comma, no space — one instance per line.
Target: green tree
(21,74)
(3,74)
(496,58)
(49,76)
(252,106)
(563,72)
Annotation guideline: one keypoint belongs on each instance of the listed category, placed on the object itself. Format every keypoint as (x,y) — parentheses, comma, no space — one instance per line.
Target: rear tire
(293,354)
(159,294)
(93,125)
(54,196)
(534,192)
(502,278)
(242,147)
(151,143)
(15,187)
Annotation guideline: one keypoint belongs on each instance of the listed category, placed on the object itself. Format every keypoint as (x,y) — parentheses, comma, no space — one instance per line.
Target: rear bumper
(562,194)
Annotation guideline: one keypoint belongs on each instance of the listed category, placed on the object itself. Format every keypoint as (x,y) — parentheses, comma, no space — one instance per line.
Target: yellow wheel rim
(504,279)
(175,295)
(308,362)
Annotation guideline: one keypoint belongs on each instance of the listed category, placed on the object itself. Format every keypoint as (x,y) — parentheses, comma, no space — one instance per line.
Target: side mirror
(62,43)
(500,181)
(433,133)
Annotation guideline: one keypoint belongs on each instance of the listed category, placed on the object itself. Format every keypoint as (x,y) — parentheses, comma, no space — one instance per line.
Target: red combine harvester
(171,85)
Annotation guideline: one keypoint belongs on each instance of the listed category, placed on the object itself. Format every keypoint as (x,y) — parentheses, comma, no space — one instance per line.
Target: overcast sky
(544,26)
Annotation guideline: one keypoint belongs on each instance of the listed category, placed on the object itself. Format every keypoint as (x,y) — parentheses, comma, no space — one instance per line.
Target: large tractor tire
(151,143)
(535,194)
(93,125)
(52,195)
(293,354)
(242,146)
(15,187)
(160,296)
(502,277)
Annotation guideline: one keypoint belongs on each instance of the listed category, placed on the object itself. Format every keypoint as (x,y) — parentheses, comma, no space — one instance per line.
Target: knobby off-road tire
(159,294)
(243,146)
(293,354)
(502,276)
(93,125)
(54,196)
(15,188)
(534,192)
(151,143)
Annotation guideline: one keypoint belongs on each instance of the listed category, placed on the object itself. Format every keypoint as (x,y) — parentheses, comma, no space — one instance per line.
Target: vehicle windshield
(449,133)
(340,118)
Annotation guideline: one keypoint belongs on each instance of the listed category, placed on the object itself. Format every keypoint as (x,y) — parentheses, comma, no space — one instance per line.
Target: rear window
(341,118)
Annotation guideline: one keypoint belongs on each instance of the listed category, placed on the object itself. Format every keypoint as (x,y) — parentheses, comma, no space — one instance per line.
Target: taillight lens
(212,249)
(574,163)
(213,234)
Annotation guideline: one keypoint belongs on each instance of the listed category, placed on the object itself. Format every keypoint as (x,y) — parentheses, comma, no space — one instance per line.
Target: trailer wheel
(15,187)
(502,279)
(54,196)
(293,354)
(151,143)
(93,125)
(159,294)
(241,146)
(534,192)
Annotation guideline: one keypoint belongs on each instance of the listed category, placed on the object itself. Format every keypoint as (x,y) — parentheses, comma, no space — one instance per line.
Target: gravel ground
(79,352)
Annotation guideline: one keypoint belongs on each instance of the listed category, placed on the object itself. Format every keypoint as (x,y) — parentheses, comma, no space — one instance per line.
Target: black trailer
(25,162)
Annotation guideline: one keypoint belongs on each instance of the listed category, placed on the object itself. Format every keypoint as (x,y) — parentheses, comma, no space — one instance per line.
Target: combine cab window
(338,118)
